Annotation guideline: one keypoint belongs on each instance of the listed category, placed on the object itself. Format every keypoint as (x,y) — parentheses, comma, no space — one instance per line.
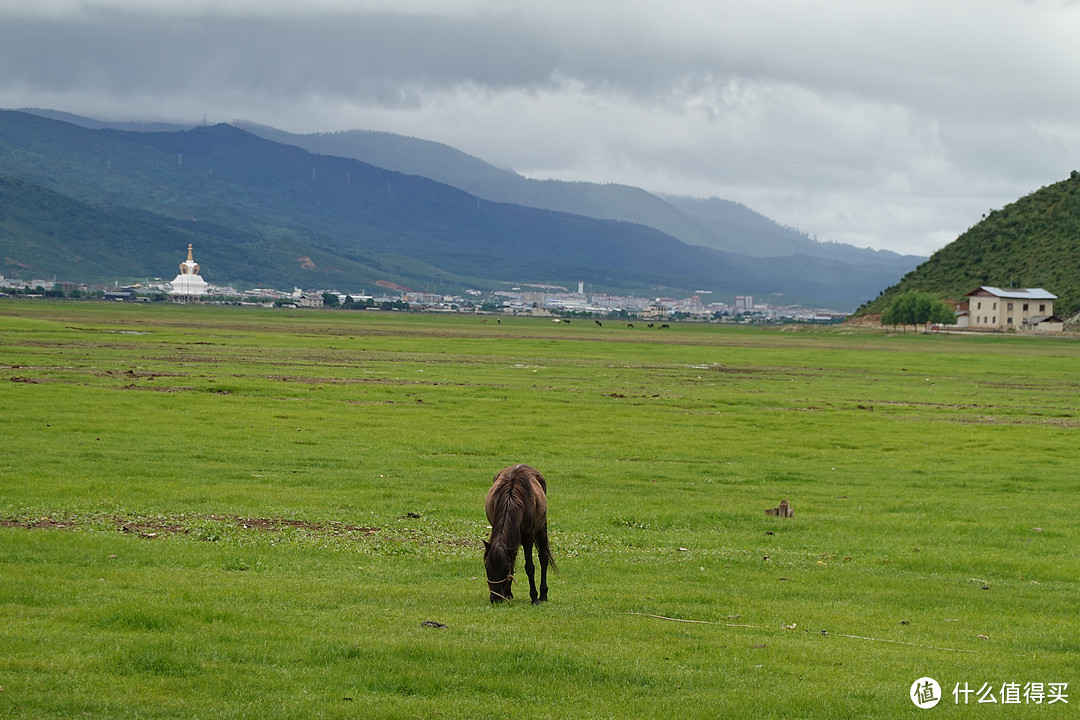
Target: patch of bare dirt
(155,527)
(278,524)
(912,403)
(45,523)
(736,370)
(867,320)
(148,528)
(991,420)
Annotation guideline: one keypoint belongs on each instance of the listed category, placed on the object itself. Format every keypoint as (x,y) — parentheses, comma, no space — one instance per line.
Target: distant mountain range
(719,224)
(85,200)
(1033,242)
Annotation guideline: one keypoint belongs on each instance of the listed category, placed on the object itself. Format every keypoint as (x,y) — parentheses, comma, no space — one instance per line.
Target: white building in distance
(188,283)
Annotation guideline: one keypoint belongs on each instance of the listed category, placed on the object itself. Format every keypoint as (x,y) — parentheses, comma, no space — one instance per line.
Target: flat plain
(213,512)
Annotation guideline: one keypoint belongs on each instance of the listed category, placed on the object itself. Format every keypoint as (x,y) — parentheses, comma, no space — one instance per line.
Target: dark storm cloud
(892,123)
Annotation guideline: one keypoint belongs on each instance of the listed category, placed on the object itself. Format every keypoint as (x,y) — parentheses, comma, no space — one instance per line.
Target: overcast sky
(881,123)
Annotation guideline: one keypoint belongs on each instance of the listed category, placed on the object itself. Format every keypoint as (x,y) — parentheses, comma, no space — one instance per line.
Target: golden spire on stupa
(189,266)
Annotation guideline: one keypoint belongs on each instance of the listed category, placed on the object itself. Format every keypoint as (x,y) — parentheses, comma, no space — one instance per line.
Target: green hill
(1033,242)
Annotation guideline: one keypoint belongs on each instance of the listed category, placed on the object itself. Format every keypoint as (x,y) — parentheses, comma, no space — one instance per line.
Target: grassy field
(220,513)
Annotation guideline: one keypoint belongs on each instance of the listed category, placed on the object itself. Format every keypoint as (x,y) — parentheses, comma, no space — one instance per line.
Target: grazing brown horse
(516,507)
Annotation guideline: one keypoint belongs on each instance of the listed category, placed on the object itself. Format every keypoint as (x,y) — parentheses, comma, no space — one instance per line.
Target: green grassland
(221,512)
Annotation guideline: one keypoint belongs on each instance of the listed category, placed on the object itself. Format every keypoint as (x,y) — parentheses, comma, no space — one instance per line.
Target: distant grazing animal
(516,507)
(598,323)
(650,324)
(665,326)
(629,325)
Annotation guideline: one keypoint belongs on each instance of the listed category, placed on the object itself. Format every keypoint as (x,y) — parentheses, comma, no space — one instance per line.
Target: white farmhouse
(994,308)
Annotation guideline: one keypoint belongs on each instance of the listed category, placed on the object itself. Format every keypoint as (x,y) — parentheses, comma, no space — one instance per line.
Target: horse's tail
(551,561)
(545,554)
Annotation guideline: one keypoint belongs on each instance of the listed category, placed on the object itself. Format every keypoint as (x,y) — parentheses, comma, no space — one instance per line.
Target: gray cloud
(887,124)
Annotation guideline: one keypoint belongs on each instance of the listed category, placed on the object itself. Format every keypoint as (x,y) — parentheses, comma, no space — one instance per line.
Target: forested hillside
(45,235)
(1033,242)
(262,212)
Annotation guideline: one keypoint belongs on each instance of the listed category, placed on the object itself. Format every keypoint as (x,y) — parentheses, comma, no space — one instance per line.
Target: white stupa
(188,283)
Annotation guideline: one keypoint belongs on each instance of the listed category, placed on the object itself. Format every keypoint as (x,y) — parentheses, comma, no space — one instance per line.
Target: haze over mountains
(347,210)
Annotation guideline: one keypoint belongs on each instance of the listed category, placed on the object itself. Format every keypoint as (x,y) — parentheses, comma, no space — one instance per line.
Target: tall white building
(188,283)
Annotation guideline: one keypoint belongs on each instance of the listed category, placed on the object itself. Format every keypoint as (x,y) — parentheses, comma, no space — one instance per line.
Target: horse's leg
(544,551)
(530,568)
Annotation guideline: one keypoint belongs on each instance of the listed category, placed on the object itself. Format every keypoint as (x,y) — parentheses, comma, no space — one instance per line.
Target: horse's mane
(509,505)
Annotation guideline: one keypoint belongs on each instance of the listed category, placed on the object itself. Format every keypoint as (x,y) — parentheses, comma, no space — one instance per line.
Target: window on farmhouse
(1042,308)
(1010,306)
(1025,307)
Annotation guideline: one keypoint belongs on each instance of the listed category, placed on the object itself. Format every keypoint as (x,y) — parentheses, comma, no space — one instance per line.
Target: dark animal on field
(598,323)
(629,325)
(516,507)
(665,326)
(651,324)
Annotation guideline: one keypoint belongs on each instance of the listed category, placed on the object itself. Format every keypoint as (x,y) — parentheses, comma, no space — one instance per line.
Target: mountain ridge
(672,214)
(709,222)
(373,220)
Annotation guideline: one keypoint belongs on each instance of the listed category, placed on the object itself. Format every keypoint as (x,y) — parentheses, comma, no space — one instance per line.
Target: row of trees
(332,300)
(917,308)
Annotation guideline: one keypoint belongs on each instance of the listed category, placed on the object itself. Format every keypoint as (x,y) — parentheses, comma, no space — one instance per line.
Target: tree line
(917,308)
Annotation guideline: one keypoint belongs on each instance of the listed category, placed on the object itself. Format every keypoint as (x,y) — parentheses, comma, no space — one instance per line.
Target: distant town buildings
(535,300)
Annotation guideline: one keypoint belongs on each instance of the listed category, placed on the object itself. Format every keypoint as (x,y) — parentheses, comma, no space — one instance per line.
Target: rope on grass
(902,642)
(766,627)
(698,622)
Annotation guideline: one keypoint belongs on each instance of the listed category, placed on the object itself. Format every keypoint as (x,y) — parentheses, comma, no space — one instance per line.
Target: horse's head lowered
(516,507)
(500,571)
